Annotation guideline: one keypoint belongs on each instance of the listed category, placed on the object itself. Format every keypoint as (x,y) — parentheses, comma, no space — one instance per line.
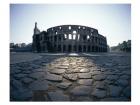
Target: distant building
(11,45)
(69,38)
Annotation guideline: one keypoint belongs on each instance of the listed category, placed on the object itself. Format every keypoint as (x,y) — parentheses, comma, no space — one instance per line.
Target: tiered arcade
(69,38)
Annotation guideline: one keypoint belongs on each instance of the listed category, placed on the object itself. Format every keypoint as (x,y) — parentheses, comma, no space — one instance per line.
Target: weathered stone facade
(69,38)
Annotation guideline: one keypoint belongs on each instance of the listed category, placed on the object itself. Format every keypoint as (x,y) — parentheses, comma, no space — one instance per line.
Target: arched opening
(78,37)
(65,36)
(69,27)
(69,48)
(74,37)
(70,36)
(55,47)
(84,48)
(56,32)
(74,48)
(74,32)
(79,48)
(92,48)
(88,48)
(101,49)
(55,38)
(84,38)
(64,48)
(96,49)
(88,37)
(59,37)
(59,47)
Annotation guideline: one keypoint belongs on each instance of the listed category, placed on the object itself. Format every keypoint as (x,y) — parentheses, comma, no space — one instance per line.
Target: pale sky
(111,20)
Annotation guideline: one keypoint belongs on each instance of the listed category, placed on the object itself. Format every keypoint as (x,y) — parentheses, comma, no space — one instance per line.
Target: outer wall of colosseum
(69,38)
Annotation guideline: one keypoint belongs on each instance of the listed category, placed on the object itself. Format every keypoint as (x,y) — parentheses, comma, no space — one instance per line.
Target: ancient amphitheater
(69,38)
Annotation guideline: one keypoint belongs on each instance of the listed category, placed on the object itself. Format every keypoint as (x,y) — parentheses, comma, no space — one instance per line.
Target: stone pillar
(82,47)
(72,47)
(101,49)
(97,48)
(94,39)
(76,37)
(66,47)
(62,38)
(53,38)
(72,36)
(61,47)
(57,43)
(67,36)
(62,42)
(94,48)
(90,47)
(77,47)
(86,48)
(46,47)
(97,41)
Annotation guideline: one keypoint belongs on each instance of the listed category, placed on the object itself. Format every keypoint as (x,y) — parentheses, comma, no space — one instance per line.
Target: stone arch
(84,48)
(79,48)
(55,38)
(69,48)
(88,48)
(64,48)
(93,49)
(74,48)
(96,49)
(59,48)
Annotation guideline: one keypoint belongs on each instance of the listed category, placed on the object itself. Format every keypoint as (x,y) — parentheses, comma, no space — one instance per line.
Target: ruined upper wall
(69,29)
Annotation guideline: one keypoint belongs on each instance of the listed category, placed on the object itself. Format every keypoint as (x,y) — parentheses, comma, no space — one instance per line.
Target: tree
(124,46)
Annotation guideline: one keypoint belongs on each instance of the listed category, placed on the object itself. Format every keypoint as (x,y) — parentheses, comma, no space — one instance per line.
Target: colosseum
(69,38)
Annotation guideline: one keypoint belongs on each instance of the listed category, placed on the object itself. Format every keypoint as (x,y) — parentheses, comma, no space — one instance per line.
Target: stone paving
(65,78)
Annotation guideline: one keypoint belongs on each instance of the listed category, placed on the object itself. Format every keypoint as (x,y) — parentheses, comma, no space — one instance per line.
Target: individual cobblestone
(122,82)
(81,90)
(58,96)
(27,80)
(99,77)
(100,85)
(85,82)
(99,93)
(115,90)
(39,85)
(72,77)
(84,75)
(57,71)
(36,75)
(127,92)
(84,70)
(112,77)
(64,85)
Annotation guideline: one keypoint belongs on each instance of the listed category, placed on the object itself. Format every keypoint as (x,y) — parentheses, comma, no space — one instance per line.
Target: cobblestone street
(105,77)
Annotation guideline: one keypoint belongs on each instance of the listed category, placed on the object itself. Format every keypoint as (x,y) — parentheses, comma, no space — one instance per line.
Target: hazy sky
(111,20)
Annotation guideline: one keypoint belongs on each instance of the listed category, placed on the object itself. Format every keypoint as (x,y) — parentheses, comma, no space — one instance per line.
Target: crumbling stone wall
(69,38)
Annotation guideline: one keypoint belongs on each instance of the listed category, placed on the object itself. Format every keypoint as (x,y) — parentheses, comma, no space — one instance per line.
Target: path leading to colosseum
(106,77)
